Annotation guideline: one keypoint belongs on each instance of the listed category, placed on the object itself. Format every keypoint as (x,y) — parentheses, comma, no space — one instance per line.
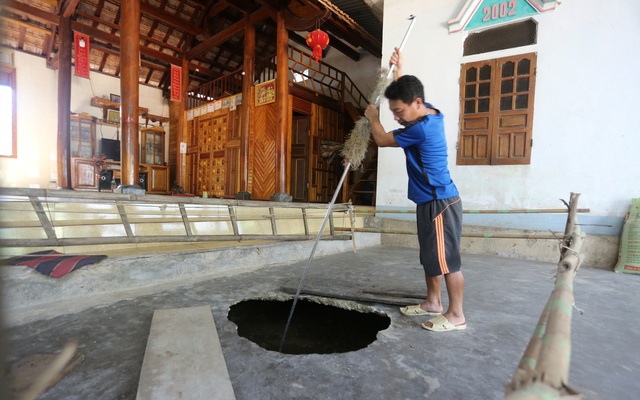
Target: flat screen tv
(110,148)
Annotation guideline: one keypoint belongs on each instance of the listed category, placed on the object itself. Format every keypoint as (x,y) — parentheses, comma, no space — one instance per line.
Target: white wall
(360,73)
(37,118)
(585,138)
(363,73)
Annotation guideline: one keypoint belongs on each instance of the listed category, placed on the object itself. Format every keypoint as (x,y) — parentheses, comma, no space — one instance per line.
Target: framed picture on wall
(113,116)
(115,98)
(266,92)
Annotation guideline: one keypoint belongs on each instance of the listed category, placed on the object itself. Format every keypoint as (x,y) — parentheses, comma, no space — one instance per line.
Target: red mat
(53,263)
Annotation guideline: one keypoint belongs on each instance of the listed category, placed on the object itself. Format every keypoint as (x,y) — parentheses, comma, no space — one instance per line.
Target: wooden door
(300,133)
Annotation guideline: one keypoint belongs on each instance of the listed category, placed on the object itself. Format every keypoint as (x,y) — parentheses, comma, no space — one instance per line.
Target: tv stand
(85,176)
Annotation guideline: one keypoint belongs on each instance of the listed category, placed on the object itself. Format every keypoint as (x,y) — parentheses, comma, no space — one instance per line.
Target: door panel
(300,131)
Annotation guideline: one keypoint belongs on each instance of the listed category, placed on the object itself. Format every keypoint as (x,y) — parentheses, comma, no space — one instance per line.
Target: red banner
(176,83)
(82,55)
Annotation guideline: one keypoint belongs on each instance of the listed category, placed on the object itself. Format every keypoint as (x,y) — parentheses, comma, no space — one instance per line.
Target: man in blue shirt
(439,208)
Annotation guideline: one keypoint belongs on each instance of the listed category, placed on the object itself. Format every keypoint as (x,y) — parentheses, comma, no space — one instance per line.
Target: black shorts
(439,233)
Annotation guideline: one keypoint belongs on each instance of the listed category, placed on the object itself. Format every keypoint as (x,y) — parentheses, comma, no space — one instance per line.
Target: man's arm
(380,136)
(397,60)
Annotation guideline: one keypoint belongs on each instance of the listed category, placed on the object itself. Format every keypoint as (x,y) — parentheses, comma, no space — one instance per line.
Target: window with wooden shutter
(496,111)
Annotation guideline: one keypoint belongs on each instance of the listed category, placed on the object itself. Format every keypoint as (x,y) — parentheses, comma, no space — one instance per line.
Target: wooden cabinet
(83,174)
(153,173)
(82,136)
(157,179)
(154,179)
(152,145)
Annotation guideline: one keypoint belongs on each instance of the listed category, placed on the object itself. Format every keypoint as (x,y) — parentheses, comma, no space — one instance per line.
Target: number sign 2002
(500,10)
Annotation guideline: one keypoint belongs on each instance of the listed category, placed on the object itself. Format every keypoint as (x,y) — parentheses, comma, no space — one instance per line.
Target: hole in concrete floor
(314,329)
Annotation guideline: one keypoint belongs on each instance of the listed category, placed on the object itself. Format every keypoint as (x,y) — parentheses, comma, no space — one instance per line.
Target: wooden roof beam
(226,34)
(333,42)
(347,27)
(169,19)
(33,12)
(69,8)
(172,20)
(117,27)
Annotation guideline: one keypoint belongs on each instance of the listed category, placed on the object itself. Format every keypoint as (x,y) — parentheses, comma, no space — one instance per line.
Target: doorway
(300,135)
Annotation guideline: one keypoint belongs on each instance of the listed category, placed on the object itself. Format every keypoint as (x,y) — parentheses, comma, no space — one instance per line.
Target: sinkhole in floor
(314,329)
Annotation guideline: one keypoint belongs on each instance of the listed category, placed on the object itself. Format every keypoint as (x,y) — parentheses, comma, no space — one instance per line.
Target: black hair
(406,88)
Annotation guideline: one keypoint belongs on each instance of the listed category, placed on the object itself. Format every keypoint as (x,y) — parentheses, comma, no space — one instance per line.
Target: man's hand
(371,113)
(379,135)
(397,60)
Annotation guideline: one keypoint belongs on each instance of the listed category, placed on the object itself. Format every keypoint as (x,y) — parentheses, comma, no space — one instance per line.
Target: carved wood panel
(212,137)
(264,152)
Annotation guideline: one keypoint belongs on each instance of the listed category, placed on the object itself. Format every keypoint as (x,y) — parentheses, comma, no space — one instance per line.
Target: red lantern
(317,40)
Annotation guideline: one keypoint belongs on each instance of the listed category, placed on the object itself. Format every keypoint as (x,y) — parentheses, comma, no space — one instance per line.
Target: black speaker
(105,180)
(142,180)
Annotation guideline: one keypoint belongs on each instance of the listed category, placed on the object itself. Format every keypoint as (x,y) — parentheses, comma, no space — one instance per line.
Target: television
(110,148)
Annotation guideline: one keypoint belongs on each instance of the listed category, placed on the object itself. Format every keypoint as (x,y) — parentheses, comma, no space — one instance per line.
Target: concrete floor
(504,299)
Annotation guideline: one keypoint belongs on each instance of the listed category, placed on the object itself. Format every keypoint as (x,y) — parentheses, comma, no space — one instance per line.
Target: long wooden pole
(247,83)
(179,125)
(129,89)
(64,103)
(282,96)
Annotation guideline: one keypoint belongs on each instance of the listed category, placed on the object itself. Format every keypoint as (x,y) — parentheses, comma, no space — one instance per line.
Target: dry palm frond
(355,148)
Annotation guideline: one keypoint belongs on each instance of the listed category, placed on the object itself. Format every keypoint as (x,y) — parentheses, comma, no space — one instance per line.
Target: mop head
(356,145)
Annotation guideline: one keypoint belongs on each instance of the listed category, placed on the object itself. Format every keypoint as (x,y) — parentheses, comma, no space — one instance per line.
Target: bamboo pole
(496,211)
(487,235)
(543,370)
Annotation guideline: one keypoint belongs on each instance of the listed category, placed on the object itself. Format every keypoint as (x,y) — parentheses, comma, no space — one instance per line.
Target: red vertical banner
(82,66)
(176,83)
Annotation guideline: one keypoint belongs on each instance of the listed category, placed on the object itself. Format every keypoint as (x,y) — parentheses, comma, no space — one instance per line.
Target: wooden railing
(320,78)
(224,86)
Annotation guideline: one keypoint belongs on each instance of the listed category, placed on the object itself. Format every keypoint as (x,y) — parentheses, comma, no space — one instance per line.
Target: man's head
(406,99)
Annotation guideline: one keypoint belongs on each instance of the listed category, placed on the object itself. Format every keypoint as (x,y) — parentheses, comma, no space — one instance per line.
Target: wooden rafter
(179,29)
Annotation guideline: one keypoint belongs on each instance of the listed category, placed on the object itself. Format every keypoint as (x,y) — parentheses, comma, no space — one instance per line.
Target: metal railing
(45,218)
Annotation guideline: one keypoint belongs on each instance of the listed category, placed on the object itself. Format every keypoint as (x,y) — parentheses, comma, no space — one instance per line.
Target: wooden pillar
(282,96)
(178,124)
(64,103)
(130,89)
(176,132)
(247,83)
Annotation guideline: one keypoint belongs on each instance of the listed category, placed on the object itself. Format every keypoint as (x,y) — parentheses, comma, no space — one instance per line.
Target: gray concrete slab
(184,359)
(503,301)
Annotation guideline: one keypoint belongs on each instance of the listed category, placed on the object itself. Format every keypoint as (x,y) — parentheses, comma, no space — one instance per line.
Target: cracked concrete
(503,301)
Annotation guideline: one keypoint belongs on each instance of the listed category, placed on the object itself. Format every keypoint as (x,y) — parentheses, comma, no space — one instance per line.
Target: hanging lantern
(317,40)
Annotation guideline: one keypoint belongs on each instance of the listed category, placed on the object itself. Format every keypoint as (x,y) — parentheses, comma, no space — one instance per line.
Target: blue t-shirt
(425,147)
